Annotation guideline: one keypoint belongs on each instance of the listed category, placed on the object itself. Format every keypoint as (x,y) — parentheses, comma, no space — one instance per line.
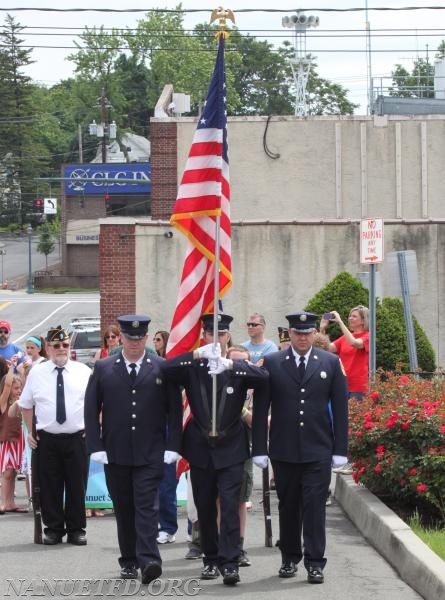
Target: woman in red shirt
(353,348)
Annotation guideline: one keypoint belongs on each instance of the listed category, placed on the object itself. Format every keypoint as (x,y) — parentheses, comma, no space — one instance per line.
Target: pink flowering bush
(397,440)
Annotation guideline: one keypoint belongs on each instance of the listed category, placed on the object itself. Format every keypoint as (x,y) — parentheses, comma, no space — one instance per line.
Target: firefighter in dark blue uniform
(216,461)
(303,441)
(129,406)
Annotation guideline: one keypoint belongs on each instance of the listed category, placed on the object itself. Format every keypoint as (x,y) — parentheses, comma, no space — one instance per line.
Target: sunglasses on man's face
(253,324)
(59,345)
(4,331)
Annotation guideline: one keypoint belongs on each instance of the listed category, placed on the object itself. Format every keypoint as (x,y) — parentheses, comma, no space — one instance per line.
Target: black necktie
(60,397)
(133,372)
(301,367)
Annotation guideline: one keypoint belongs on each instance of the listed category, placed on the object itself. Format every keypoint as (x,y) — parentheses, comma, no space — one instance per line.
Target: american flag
(203,194)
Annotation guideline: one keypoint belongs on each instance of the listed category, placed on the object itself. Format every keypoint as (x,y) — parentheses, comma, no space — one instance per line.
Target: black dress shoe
(77,538)
(51,538)
(209,572)
(150,572)
(130,572)
(287,569)
(315,575)
(230,576)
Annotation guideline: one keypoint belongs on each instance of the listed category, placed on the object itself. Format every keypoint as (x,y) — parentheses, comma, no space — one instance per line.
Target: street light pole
(30,287)
(2,253)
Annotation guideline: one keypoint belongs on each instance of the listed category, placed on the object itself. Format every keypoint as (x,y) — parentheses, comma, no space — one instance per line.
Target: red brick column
(117,270)
(164,168)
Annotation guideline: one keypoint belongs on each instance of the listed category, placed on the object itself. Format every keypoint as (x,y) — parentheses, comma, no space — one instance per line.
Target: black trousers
(302,489)
(63,468)
(209,484)
(134,493)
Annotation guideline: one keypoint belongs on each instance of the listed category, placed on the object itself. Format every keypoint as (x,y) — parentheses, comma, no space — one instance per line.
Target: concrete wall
(277,268)
(333,167)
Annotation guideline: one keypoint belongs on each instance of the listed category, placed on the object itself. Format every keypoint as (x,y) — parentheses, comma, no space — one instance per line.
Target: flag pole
(215,318)
(222,15)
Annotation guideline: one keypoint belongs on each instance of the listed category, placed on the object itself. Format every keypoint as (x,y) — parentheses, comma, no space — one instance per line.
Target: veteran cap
(134,327)
(304,322)
(57,334)
(223,322)
(283,334)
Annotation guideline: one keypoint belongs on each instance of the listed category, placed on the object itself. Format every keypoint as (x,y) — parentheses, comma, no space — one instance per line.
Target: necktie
(133,372)
(301,367)
(60,397)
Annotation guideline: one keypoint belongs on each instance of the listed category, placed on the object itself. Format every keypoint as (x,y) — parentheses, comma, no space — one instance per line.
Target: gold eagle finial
(222,14)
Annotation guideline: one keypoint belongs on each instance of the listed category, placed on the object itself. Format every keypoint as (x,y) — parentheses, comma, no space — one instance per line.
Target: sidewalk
(355,571)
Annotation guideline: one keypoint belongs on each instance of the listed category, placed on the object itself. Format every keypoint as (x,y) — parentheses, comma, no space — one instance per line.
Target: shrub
(397,440)
(344,292)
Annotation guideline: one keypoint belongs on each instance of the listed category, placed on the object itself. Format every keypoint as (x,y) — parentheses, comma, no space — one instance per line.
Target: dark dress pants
(63,468)
(302,489)
(209,484)
(133,491)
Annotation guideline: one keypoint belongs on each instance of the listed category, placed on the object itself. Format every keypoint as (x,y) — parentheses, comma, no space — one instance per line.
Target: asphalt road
(354,570)
(35,313)
(14,256)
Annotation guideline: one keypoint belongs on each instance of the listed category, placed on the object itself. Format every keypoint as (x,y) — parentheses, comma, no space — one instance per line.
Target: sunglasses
(5,331)
(253,324)
(59,345)
(112,336)
(157,339)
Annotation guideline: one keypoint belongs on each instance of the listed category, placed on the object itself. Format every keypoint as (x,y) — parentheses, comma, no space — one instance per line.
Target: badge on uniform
(323,374)
(158,381)
(230,390)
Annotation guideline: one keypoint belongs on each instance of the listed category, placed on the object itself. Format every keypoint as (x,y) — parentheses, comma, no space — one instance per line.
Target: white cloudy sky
(348,68)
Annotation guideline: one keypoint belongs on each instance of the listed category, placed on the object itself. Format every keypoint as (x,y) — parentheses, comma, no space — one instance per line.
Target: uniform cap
(302,321)
(134,327)
(223,322)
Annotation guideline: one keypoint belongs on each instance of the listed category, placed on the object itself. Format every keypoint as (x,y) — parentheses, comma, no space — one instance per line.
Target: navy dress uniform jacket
(232,445)
(135,417)
(301,429)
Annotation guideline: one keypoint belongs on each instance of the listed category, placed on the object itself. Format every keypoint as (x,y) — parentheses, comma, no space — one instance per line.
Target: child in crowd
(11,436)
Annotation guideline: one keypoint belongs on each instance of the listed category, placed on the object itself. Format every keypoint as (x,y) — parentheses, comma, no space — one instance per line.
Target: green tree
(46,243)
(344,292)
(20,122)
(417,84)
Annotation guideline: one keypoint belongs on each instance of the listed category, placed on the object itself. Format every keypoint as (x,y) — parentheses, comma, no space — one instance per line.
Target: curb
(415,562)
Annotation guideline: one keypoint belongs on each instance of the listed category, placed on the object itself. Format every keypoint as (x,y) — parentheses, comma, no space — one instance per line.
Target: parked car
(86,338)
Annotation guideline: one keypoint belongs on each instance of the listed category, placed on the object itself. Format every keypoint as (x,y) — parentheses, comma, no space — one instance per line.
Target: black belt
(61,436)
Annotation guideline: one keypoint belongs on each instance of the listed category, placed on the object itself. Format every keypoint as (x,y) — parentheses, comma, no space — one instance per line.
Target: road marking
(5,305)
(41,322)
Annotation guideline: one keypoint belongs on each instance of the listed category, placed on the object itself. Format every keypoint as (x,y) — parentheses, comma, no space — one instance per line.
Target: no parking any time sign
(371,241)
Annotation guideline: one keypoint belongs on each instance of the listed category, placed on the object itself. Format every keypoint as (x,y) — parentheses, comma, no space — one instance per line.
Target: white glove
(220,365)
(170,457)
(209,351)
(260,461)
(339,461)
(100,457)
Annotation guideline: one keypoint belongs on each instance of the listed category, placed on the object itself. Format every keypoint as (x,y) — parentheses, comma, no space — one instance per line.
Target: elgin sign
(124,178)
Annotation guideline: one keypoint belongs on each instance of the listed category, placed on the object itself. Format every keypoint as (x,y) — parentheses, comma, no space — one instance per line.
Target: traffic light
(38,204)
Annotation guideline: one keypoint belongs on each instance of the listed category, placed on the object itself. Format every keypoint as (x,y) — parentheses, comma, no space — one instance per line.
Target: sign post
(371,253)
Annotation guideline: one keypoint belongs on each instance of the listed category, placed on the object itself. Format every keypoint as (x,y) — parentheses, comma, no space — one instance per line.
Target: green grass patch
(434,538)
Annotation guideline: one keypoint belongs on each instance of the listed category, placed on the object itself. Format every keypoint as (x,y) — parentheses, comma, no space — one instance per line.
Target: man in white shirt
(258,346)
(56,390)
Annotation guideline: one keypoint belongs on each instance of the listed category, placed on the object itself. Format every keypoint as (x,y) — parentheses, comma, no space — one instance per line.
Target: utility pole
(103,118)
(79,133)
(102,129)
